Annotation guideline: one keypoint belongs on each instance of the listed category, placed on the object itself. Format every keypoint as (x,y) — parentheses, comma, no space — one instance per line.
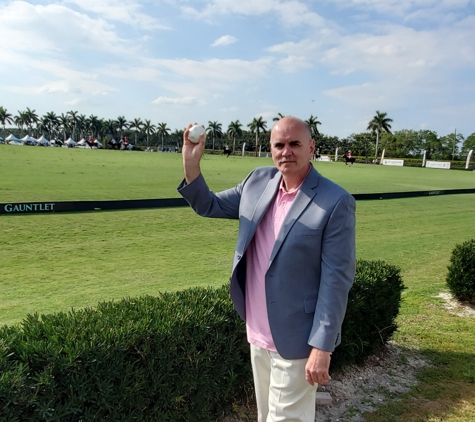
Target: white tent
(11,137)
(17,142)
(99,145)
(28,138)
(70,142)
(43,141)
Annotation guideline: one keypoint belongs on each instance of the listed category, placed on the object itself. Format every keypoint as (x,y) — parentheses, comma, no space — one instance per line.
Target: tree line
(406,143)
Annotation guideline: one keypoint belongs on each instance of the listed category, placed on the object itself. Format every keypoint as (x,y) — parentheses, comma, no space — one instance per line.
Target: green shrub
(178,357)
(373,305)
(181,356)
(461,276)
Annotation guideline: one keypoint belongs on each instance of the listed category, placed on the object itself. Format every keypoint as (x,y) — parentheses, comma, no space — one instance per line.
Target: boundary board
(81,206)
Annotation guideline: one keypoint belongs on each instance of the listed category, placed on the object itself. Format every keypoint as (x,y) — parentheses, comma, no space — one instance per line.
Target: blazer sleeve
(204,202)
(338,264)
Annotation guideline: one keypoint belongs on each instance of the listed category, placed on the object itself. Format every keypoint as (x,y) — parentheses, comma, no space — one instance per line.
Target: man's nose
(286,151)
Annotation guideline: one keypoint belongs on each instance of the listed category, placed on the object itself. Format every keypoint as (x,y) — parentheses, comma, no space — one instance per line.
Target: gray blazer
(312,265)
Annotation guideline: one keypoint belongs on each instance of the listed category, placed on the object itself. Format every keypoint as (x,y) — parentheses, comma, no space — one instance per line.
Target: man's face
(291,147)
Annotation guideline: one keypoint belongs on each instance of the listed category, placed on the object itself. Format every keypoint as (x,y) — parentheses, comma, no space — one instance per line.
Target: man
(293,266)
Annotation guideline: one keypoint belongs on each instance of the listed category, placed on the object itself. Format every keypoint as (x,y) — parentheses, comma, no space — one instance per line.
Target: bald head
(293,123)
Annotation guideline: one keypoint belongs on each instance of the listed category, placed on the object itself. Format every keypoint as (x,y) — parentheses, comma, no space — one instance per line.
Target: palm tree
(31,118)
(64,121)
(20,120)
(5,118)
(93,125)
(49,123)
(313,123)
(278,117)
(178,136)
(137,125)
(121,123)
(148,129)
(234,130)
(73,115)
(257,125)
(215,129)
(162,130)
(379,124)
(81,124)
(109,127)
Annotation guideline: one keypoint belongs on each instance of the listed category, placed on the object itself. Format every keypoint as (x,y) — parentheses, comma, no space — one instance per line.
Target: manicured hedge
(461,275)
(178,357)
(373,305)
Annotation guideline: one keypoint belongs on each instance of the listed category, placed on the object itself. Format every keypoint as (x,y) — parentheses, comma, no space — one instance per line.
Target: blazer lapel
(304,196)
(262,207)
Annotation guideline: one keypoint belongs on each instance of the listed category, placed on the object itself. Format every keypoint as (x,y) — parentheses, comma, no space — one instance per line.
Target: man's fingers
(186,139)
(317,378)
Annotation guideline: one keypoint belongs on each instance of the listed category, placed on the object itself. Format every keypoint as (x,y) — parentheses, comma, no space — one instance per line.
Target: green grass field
(53,262)
(61,174)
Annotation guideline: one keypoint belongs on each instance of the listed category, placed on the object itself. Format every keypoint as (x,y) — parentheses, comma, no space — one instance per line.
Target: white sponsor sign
(438,164)
(324,158)
(393,163)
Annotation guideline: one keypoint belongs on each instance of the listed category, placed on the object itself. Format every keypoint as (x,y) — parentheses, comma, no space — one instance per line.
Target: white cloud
(402,7)
(131,73)
(205,80)
(367,95)
(396,52)
(291,12)
(175,100)
(213,70)
(36,30)
(224,40)
(127,12)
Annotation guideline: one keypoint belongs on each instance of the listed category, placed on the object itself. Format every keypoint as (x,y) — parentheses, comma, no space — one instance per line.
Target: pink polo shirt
(257,264)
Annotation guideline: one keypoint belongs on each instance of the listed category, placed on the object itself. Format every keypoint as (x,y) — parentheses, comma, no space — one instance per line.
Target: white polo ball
(195,133)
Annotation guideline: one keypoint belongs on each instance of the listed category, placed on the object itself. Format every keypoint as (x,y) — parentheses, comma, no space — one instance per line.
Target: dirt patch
(455,307)
(382,378)
(360,389)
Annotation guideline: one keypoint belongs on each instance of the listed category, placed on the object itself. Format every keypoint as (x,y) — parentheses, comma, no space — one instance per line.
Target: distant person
(317,154)
(293,266)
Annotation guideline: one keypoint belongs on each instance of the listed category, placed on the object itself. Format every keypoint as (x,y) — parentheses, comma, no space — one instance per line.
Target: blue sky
(199,60)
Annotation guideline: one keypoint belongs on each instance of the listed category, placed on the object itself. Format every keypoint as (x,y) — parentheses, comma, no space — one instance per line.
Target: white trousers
(282,392)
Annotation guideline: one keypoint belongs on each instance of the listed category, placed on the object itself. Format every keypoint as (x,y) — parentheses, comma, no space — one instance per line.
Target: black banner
(397,195)
(80,206)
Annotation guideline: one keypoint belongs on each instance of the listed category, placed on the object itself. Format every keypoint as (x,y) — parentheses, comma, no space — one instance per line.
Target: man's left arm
(338,262)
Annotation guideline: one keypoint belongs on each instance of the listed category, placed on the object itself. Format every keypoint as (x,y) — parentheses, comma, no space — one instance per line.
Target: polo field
(53,262)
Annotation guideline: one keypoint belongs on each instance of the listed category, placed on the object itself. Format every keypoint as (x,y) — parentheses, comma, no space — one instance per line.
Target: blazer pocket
(307,232)
(309,305)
